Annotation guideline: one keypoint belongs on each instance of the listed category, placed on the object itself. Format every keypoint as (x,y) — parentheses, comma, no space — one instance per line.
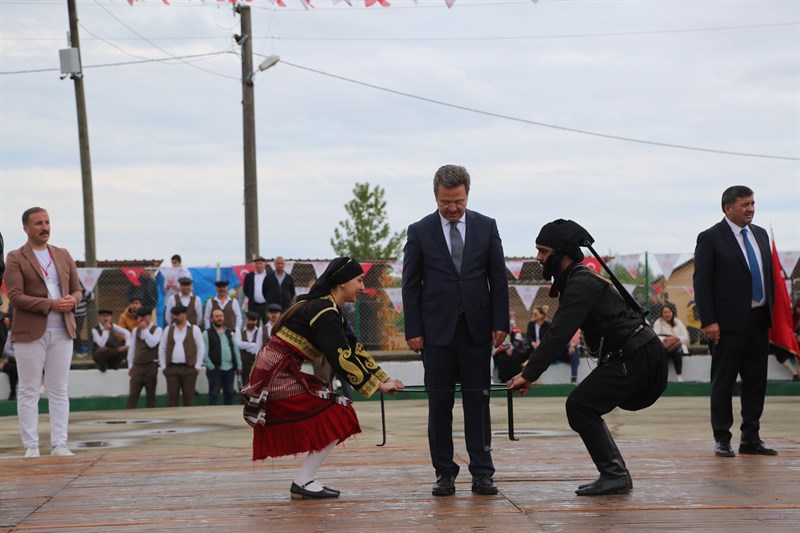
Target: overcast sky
(166,138)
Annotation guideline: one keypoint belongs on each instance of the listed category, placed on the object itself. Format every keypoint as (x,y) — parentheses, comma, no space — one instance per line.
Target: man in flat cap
(187,299)
(180,357)
(228,306)
(110,342)
(143,360)
(274,313)
(631,370)
(250,342)
(255,289)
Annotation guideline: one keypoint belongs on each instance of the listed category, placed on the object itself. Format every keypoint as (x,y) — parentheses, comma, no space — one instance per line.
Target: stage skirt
(292,412)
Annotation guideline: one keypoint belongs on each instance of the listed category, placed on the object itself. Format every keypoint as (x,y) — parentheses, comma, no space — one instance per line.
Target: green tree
(366,234)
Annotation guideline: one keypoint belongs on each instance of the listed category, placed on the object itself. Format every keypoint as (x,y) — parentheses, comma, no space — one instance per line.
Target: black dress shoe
(299,492)
(606,485)
(723,449)
(483,485)
(755,448)
(627,475)
(445,485)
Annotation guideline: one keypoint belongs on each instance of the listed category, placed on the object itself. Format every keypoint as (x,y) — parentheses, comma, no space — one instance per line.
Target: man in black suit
(255,288)
(279,285)
(455,300)
(734,290)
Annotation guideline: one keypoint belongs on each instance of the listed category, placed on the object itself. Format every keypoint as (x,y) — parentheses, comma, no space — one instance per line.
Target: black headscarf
(340,270)
(565,238)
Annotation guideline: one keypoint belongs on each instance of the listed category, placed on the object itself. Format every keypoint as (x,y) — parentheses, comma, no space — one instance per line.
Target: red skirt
(308,419)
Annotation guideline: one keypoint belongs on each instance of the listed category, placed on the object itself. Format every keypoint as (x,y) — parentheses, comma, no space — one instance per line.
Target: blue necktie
(456,245)
(755,272)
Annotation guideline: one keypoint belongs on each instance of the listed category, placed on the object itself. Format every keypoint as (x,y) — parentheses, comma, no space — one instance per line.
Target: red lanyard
(46,268)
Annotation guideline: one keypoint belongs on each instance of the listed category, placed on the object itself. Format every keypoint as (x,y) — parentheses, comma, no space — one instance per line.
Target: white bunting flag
(288,267)
(301,290)
(397,267)
(630,287)
(630,262)
(667,262)
(789,262)
(171,275)
(515,267)
(89,277)
(395,295)
(527,293)
(319,267)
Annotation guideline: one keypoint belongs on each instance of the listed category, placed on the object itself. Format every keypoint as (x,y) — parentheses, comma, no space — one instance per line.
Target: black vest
(215,348)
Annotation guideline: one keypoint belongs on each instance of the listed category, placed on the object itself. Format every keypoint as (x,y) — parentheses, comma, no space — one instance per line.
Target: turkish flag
(133,275)
(241,271)
(782,332)
(593,264)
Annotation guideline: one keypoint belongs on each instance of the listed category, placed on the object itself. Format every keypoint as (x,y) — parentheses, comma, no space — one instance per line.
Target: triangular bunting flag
(133,275)
(241,271)
(630,287)
(366,267)
(630,262)
(449,3)
(319,267)
(396,297)
(515,267)
(789,261)
(527,293)
(89,277)
(171,275)
(667,262)
(397,267)
(288,267)
(306,4)
(301,290)
(690,290)
(369,3)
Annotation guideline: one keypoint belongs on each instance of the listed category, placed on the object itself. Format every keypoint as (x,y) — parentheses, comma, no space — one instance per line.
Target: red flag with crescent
(241,271)
(133,275)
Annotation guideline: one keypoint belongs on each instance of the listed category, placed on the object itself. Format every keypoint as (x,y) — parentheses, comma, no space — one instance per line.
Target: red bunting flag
(133,275)
(369,3)
(366,267)
(782,332)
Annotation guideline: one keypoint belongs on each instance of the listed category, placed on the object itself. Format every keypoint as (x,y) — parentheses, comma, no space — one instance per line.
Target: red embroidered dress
(294,412)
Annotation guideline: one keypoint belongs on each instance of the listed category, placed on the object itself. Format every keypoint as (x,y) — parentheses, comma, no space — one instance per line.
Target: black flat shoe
(483,485)
(630,483)
(603,486)
(445,485)
(755,448)
(723,449)
(299,492)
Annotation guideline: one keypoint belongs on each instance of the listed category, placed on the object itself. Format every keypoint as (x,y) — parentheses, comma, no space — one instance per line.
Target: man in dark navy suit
(734,290)
(455,300)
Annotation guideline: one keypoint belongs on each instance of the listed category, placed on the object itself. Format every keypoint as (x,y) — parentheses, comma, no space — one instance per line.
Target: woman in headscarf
(293,412)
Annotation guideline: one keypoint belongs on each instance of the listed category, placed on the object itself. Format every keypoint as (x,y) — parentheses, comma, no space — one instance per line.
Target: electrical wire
(537,123)
(121,63)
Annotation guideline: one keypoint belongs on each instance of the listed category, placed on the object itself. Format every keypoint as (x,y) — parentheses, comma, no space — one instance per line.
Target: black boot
(614,477)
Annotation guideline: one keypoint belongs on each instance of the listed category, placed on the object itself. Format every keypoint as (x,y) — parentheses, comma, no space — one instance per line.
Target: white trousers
(51,354)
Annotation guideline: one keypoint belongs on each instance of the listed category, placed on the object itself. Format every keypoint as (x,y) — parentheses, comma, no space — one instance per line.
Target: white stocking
(310,466)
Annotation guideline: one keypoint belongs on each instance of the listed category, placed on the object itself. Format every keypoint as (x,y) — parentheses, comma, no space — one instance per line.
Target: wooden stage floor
(679,485)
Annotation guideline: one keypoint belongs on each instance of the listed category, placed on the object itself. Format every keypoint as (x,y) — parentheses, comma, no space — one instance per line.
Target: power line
(536,123)
(121,63)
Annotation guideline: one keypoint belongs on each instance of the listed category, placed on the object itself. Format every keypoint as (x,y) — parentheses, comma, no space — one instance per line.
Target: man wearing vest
(187,299)
(273,314)
(180,357)
(250,342)
(229,306)
(143,360)
(110,342)
(221,359)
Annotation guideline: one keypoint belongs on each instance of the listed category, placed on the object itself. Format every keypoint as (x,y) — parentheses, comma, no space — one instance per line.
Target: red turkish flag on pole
(782,332)
(133,275)
(241,271)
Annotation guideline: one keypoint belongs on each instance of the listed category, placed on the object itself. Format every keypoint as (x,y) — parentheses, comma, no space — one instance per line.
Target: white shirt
(237,312)
(253,343)
(47,266)
(178,354)
(461,226)
(258,287)
(151,340)
(185,301)
(101,339)
(737,232)
(662,328)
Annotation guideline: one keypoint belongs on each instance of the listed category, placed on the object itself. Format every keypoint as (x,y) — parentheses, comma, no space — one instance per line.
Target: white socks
(310,466)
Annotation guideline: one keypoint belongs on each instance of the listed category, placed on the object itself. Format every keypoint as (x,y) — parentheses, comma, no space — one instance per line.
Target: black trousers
(632,383)
(462,361)
(741,353)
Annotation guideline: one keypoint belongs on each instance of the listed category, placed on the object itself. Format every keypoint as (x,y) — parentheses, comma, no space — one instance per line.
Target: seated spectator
(572,355)
(110,342)
(128,318)
(674,336)
(511,355)
(538,326)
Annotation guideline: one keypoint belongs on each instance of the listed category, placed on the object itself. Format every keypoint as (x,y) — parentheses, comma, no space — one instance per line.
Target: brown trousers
(146,376)
(109,358)
(180,379)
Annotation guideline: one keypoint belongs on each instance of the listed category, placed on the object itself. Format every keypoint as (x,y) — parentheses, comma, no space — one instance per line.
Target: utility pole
(83,141)
(245,40)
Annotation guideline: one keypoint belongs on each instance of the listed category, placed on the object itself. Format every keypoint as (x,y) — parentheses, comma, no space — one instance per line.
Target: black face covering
(552,265)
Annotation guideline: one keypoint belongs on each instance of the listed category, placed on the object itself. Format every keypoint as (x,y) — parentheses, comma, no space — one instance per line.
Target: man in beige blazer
(44,289)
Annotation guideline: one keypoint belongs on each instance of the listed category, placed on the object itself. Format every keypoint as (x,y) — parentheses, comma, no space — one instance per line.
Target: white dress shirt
(253,343)
(237,312)
(737,232)
(461,226)
(151,339)
(258,287)
(178,354)
(101,339)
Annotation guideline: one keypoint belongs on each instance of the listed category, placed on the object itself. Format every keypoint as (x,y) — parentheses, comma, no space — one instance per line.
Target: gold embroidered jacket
(320,330)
